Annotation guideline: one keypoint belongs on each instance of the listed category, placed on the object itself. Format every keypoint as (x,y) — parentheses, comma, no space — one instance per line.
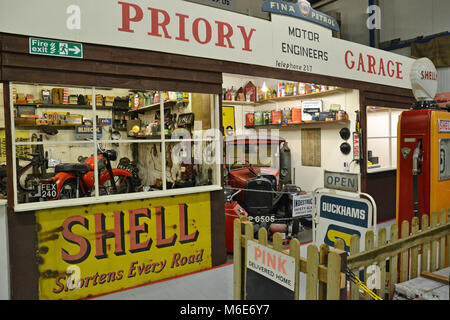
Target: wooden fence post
(404,255)
(369,245)
(393,261)
(312,272)
(324,250)
(382,264)
(339,244)
(294,251)
(249,235)
(425,246)
(333,275)
(262,236)
(433,254)
(354,249)
(414,250)
(447,253)
(238,266)
(277,241)
(442,241)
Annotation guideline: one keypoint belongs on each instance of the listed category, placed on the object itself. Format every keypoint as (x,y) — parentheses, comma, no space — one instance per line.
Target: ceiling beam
(322,3)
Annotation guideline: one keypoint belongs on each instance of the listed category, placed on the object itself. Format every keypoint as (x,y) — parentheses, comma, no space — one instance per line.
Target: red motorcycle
(75,180)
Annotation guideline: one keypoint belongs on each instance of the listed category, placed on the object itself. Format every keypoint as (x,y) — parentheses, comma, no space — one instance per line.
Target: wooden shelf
(287,98)
(293,125)
(154,137)
(38,127)
(156,106)
(63,106)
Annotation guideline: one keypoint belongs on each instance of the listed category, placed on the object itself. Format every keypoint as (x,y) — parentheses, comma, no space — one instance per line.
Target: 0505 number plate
(48,190)
(262,218)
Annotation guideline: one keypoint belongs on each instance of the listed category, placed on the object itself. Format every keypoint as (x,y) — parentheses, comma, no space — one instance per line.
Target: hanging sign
(341,217)
(341,181)
(301,10)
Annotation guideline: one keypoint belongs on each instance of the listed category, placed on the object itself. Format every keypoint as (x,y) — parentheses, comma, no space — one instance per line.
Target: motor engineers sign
(96,249)
(274,265)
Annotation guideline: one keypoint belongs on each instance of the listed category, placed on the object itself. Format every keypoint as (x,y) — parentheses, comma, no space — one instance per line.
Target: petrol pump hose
(415,173)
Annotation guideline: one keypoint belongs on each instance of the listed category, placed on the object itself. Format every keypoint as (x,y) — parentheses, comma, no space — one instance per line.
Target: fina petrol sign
(302,10)
(341,217)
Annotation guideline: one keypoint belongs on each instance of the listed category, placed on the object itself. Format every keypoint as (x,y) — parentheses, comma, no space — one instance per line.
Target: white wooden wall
(308,178)
(4,253)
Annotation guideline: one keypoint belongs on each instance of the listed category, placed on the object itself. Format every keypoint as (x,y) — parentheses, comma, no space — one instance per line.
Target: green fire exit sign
(56,48)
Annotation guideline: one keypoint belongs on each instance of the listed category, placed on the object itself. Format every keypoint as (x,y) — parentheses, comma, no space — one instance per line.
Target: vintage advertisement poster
(229,126)
(91,250)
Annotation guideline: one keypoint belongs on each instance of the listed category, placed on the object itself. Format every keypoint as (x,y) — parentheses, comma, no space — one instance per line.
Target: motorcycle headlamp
(112,155)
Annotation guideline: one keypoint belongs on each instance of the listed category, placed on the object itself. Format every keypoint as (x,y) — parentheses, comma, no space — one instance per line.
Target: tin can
(250,119)
(287,116)
(276,117)
(259,118)
(296,115)
(302,88)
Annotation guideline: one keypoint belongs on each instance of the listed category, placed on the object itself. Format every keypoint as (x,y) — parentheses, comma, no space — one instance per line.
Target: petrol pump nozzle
(417,159)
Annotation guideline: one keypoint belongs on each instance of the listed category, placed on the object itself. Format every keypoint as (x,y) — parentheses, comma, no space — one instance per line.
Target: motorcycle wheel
(124,184)
(68,190)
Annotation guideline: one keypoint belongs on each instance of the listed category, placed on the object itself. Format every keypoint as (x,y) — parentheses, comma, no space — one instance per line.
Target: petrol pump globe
(423,79)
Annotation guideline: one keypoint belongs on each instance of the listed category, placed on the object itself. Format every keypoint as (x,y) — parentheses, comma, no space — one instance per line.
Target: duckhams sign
(88,251)
(302,9)
(191,29)
(340,217)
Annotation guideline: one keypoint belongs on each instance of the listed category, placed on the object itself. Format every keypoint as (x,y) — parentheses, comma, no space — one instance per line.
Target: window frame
(97,198)
(392,134)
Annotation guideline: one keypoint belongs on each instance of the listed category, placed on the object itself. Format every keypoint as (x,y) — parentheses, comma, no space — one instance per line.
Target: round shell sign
(424,79)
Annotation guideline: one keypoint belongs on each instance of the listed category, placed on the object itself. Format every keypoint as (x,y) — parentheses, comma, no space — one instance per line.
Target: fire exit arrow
(56,48)
(75,50)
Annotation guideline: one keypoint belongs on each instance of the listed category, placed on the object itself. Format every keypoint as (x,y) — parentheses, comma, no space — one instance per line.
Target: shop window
(147,144)
(382,138)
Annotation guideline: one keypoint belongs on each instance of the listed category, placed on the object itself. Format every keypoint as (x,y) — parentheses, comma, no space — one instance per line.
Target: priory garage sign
(298,38)
(302,9)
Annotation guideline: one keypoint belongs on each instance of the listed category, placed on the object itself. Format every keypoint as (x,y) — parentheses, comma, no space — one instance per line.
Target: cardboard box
(74,119)
(25,121)
(109,101)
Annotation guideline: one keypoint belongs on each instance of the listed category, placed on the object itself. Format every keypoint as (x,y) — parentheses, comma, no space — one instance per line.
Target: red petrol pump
(423,149)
